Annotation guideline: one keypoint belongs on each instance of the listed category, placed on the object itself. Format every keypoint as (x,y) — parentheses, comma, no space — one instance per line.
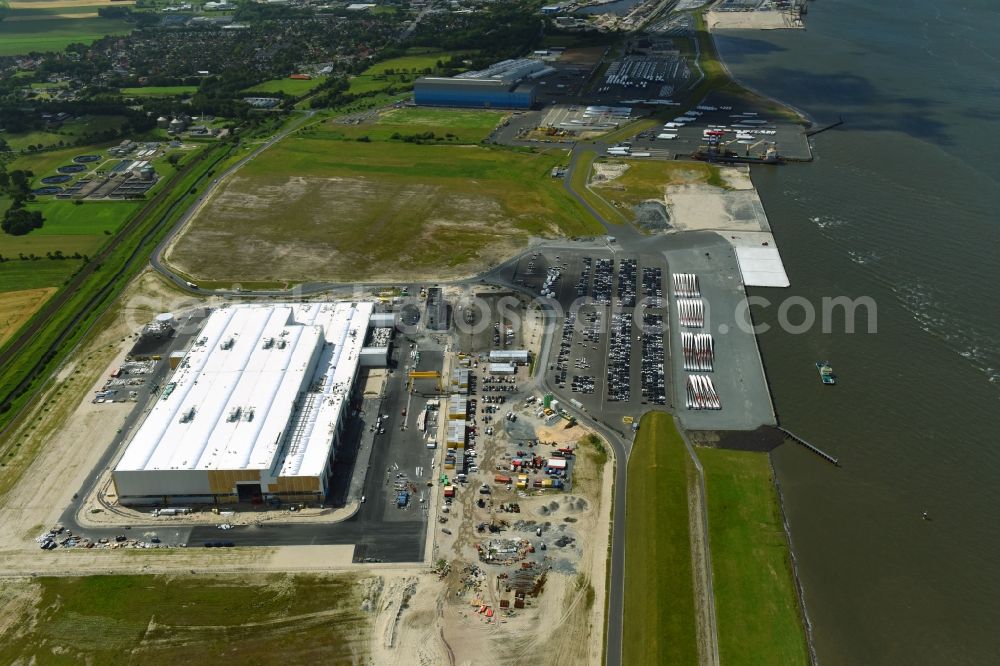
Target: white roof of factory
(230,402)
(505,70)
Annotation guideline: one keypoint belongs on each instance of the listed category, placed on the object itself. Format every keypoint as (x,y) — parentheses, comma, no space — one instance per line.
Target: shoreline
(807,626)
(804,115)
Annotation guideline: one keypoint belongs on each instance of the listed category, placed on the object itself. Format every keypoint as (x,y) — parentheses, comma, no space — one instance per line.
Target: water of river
(901,204)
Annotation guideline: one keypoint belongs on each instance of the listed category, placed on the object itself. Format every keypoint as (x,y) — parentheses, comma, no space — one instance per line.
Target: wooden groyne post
(821,453)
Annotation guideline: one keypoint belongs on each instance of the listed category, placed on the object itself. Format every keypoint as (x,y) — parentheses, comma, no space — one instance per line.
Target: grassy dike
(755,602)
(83,302)
(659,621)
(579,183)
(757,611)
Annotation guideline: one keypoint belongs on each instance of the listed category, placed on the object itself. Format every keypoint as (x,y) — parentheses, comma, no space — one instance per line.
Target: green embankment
(755,601)
(659,621)
(579,183)
(160,619)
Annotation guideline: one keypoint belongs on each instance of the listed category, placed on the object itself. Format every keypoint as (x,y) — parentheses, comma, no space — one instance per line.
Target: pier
(815,449)
(840,121)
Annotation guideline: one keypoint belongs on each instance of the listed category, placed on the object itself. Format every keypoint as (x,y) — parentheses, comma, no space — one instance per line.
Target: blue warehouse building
(505,85)
(456,92)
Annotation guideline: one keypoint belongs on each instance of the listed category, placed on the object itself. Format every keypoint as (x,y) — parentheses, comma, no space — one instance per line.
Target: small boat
(826,372)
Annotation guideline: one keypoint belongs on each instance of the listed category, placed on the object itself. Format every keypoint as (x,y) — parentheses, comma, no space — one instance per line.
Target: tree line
(17,220)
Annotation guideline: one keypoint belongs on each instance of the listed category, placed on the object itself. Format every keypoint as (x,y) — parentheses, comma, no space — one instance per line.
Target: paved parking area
(605,308)
(789,137)
(738,375)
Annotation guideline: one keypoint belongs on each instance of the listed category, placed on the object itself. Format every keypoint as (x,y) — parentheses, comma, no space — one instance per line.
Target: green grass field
(88,218)
(293,87)
(408,67)
(54,34)
(159,91)
(755,601)
(18,275)
(350,210)
(133,619)
(453,125)
(659,622)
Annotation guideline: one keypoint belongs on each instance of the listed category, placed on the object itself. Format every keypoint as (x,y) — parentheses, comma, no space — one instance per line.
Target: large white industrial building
(255,408)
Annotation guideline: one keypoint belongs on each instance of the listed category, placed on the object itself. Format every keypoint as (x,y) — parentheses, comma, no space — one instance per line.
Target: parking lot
(736,120)
(645,77)
(608,349)
(487,320)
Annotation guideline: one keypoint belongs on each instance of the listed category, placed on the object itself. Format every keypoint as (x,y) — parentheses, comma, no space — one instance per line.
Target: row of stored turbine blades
(691,312)
(701,393)
(686,285)
(699,351)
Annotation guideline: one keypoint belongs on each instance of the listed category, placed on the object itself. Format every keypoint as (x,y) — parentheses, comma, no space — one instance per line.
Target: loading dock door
(249,492)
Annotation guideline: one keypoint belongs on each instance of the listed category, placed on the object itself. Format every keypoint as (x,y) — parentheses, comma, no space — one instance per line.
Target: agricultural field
(317,209)
(755,601)
(451,125)
(17,307)
(293,87)
(659,615)
(162,619)
(53,29)
(64,6)
(159,91)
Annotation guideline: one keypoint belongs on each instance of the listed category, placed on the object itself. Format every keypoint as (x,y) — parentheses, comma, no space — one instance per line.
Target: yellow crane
(425,374)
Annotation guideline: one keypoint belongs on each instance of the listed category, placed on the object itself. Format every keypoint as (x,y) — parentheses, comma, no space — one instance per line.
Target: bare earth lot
(344,227)
(323,209)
